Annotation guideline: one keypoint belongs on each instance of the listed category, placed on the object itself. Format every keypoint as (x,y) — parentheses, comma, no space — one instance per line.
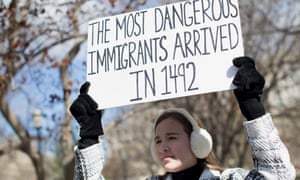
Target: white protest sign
(170,51)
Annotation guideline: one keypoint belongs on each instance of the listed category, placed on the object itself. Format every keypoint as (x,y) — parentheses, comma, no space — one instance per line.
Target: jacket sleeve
(271,157)
(89,162)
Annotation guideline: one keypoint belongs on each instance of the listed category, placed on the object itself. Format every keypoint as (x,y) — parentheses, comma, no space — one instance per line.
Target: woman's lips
(167,158)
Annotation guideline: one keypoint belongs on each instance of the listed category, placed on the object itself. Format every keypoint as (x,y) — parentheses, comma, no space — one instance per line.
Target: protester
(182,147)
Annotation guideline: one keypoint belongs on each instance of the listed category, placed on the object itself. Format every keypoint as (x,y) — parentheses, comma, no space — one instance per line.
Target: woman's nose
(163,147)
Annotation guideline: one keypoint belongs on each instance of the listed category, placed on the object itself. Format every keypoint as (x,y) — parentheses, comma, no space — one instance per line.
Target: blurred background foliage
(42,57)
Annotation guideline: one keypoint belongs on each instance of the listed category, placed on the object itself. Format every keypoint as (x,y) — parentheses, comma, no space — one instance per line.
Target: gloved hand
(84,110)
(250,84)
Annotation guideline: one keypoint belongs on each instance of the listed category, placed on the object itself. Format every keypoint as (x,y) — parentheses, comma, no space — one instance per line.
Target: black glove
(84,110)
(250,84)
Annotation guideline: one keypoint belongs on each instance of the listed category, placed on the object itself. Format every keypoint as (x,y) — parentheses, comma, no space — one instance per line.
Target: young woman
(182,147)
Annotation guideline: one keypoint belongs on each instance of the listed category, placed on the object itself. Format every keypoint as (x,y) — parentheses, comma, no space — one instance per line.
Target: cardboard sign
(170,51)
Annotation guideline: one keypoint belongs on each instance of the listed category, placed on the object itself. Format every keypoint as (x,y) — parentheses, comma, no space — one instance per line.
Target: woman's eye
(171,138)
(157,141)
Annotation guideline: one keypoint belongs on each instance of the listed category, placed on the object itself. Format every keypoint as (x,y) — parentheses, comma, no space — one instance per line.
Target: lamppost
(37,123)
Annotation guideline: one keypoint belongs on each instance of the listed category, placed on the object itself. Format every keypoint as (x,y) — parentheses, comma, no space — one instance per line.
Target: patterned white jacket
(270,156)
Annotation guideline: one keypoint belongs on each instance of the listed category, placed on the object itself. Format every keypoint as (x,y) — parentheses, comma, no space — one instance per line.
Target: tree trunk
(23,135)
(67,144)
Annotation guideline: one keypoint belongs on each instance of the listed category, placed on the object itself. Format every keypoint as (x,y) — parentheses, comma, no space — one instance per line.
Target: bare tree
(31,32)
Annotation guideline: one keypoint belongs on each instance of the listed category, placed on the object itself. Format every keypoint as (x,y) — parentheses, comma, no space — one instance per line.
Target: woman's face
(173,146)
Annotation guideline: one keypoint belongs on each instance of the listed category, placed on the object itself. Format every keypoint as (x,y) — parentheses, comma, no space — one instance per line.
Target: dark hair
(187,126)
(210,161)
